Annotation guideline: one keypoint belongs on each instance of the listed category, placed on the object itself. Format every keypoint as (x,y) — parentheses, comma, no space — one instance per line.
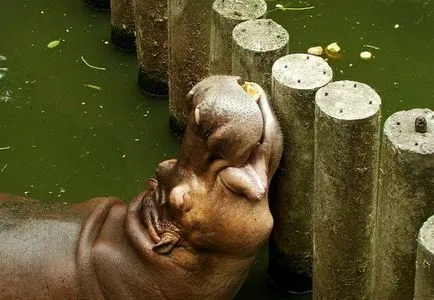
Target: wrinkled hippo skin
(192,235)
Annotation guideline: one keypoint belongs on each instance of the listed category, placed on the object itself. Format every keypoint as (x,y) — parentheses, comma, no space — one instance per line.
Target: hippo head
(202,200)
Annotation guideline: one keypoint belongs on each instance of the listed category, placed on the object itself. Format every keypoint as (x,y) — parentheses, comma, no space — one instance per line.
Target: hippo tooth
(197,115)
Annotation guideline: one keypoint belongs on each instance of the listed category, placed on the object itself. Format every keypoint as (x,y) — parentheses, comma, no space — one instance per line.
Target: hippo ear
(180,197)
(166,244)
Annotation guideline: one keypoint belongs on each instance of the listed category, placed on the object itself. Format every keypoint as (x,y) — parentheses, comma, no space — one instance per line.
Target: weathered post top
(261,35)
(302,71)
(348,104)
(240,9)
(257,44)
(412,130)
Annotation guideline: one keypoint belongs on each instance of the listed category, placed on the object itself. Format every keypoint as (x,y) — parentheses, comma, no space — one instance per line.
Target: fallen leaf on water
(53,44)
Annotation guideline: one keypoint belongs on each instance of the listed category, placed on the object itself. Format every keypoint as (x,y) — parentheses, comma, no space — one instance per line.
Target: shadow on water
(69,132)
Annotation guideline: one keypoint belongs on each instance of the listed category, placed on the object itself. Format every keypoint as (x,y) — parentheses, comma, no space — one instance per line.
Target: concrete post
(189,43)
(347,127)
(405,200)
(257,44)
(295,80)
(226,14)
(424,282)
(122,25)
(151,40)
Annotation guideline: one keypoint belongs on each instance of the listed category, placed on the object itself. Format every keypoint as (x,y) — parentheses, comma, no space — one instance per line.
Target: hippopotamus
(192,234)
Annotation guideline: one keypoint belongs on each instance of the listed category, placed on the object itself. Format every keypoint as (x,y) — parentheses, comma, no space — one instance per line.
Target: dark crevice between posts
(123,39)
(150,85)
(99,5)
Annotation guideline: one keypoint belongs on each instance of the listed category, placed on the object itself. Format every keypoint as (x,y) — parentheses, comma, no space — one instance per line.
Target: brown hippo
(188,237)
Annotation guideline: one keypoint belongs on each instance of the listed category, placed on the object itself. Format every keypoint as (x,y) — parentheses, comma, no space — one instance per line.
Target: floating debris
(372,47)
(365,55)
(396,26)
(91,66)
(53,44)
(4,167)
(317,50)
(333,50)
(282,7)
(95,87)
(3,57)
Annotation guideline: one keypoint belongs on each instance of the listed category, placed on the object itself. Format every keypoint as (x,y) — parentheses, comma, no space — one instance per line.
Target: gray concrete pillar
(189,43)
(122,25)
(405,200)
(226,14)
(257,44)
(347,140)
(424,279)
(151,40)
(295,80)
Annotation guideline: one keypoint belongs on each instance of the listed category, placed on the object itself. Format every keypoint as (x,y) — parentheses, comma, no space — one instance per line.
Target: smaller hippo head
(227,122)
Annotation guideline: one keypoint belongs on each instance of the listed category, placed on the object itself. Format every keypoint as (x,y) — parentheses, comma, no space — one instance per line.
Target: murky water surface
(69,132)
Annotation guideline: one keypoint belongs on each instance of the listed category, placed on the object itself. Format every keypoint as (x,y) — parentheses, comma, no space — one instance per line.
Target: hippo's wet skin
(193,235)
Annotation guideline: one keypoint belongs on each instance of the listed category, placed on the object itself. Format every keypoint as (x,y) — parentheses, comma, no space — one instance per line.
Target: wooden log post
(424,279)
(257,44)
(122,25)
(405,200)
(99,4)
(347,140)
(189,43)
(151,40)
(226,14)
(295,80)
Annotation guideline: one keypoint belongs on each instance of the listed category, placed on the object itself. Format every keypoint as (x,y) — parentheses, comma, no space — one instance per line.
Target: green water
(62,140)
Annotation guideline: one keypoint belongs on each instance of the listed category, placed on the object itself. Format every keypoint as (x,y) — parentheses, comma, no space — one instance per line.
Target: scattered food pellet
(365,55)
(317,50)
